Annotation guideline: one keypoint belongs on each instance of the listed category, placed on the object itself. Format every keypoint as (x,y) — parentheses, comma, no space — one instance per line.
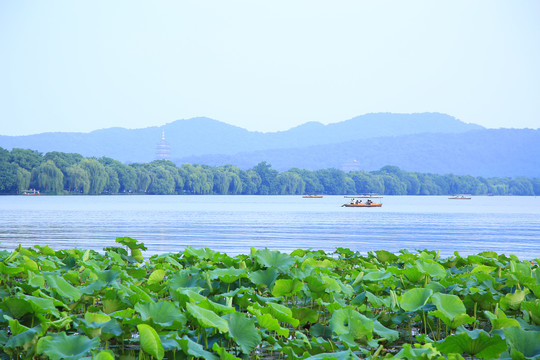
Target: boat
(363,205)
(460,197)
(357,203)
(30,192)
(312,196)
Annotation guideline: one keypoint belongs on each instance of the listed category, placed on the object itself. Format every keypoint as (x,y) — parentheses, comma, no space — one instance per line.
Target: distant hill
(202,136)
(488,153)
(426,142)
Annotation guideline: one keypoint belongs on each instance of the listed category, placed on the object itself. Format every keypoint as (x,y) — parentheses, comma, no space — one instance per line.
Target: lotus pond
(201,304)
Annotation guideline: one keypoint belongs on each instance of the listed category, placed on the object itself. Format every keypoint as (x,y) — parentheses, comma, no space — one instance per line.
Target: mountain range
(425,142)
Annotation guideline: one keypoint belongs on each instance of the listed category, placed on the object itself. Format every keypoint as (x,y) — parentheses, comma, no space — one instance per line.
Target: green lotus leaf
(450,309)
(142,295)
(385,256)
(264,277)
(274,259)
(45,250)
(104,355)
(228,276)
(377,275)
(223,354)
(483,268)
(377,301)
(62,346)
(305,315)
(14,326)
(41,305)
(17,307)
(432,269)
(26,338)
(500,320)
(340,355)
(414,299)
(92,288)
(30,264)
(156,276)
(150,341)
(267,321)
(287,287)
(161,313)
(384,332)
(60,286)
(207,318)
(353,325)
(533,307)
(513,301)
(477,343)
(281,312)
(185,279)
(410,352)
(108,276)
(194,349)
(243,331)
(526,342)
(130,243)
(414,274)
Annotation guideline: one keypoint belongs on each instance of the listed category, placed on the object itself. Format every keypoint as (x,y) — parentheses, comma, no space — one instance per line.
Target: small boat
(312,196)
(362,205)
(30,192)
(357,203)
(460,197)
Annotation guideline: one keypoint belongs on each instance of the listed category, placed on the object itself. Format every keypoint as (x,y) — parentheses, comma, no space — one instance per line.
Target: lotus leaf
(287,287)
(269,322)
(130,243)
(533,307)
(228,276)
(66,347)
(150,341)
(223,354)
(41,305)
(341,355)
(431,269)
(25,339)
(477,343)
(351,326)
(194,349)
(207,318)
(243,331)
(500,320)
(274,259)
(162,313)
(525,342)
(450,309)
(513,301)
(305,315)
(384,332)
(282,313)
(62,287)
(415,299)
(156,276)
(377,275)
(104,355)
(264,277)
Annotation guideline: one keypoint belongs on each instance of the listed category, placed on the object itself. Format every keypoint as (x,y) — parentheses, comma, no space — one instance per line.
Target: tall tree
(97,174)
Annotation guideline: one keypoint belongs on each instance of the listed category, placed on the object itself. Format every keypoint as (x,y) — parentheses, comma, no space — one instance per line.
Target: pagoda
(163,151)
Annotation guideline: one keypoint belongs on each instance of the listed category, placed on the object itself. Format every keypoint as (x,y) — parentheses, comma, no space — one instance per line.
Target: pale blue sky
(265,65)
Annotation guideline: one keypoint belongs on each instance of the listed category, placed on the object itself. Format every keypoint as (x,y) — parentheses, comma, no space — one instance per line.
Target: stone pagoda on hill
(163,151)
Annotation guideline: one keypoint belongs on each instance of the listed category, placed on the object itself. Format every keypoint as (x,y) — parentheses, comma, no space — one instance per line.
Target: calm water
(233,224)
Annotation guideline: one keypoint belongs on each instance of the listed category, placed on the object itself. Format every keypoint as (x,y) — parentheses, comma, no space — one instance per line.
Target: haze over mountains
(426,142)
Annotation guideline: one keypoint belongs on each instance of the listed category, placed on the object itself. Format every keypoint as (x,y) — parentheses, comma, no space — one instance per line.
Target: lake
(234,224)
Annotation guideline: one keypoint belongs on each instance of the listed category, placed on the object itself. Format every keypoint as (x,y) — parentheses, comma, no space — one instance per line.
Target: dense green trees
(58,173)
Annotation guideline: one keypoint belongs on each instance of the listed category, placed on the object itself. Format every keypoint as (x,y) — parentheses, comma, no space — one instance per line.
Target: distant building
(163,151)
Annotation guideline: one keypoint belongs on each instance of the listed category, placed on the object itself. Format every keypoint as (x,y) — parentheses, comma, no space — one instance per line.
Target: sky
(265,65)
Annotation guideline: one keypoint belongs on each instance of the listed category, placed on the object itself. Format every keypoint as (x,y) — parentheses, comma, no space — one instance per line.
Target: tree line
(69,173)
